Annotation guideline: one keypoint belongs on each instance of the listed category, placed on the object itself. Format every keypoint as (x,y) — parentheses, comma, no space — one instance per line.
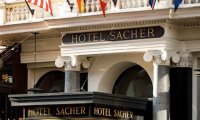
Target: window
(52,82)
(134,82)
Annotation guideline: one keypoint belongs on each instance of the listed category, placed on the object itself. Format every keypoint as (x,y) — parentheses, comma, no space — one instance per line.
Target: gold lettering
(77,111)
(123,114)
(142,33)
(112,35)
(82,110)
(72,110)
(119,36)
(125,34)
(35,112)
(62,112)
(95,111)
(134,33)
(150,32)
(58,111)
(82,38)
(30,112)
(66,111)
(74,39)
(107,112)
(102,111)
(131,114)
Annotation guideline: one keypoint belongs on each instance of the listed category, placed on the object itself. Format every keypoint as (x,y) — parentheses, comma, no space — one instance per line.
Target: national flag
(115,2)
(152,3)
(80,4)
(103,4)
(45,4)
(176,4)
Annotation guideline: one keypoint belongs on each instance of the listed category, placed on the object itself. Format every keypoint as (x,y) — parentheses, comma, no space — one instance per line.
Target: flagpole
(31,10)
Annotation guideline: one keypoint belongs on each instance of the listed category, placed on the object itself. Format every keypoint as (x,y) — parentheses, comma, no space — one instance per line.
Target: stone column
(161,86)
(72,81)
(72,75)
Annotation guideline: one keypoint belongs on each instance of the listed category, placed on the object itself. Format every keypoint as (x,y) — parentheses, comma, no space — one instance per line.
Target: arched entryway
(135,82)
(52,81)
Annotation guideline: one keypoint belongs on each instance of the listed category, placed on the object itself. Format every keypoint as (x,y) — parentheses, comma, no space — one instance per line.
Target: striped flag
(103,4)
(80,4)
(152,3)
(45,4)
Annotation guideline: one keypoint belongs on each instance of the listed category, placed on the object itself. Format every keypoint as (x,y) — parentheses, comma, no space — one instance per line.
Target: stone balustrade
(17,10)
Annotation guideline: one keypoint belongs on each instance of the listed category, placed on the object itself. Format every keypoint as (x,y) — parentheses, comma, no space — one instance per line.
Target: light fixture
(59,62)
(176,58)
(164,56)
(86,63)
(74,60)
(148,57)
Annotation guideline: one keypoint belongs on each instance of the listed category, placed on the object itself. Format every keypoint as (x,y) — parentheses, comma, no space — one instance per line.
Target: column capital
(73,63)
(185,59)
(161,57)
(169,57)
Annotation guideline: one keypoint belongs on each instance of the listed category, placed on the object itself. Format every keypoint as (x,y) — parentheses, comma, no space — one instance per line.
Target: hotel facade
(134,64)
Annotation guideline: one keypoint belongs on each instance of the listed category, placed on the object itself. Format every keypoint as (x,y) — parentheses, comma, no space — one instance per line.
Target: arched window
(134,82)
(52,81)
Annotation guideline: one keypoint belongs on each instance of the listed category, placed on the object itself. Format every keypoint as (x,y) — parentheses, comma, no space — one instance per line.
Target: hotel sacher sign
(114,35)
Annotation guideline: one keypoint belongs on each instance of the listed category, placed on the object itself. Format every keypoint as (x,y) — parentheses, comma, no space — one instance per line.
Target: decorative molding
(120,25)
(40,56)
(119,47)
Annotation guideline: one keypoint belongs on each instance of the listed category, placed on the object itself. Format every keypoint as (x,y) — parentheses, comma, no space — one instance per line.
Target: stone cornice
(9,39)
(56,33)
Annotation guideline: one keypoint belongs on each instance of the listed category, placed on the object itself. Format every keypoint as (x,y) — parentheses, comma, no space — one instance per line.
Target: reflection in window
(52,82)
(134,82)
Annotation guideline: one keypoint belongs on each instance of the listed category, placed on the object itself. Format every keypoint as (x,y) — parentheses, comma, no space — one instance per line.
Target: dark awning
(79,105)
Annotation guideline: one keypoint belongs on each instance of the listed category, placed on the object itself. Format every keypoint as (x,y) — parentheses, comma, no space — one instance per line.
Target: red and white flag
(103,4)
(45,4)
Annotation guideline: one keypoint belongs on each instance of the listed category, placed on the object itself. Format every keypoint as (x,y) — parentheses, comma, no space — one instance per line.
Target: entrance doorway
(135,82)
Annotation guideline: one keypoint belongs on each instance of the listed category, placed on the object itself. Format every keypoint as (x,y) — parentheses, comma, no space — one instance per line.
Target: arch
(107,68)
(110,77)
(52,81)
(134,82)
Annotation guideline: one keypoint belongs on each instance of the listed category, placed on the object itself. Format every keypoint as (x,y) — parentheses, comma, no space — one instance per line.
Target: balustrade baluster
(108,7)
(145,3)
(118,4)
(8,14)
(17,15)
(128,4)
(26,13)
(97,5)
(92,6)
(87,6)
(123,4)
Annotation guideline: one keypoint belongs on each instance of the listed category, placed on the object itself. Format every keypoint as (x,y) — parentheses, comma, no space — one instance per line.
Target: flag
(80,4)
(103,4)
(115,2)
(176,4)
(71,5)
(152,3)
(45,4)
